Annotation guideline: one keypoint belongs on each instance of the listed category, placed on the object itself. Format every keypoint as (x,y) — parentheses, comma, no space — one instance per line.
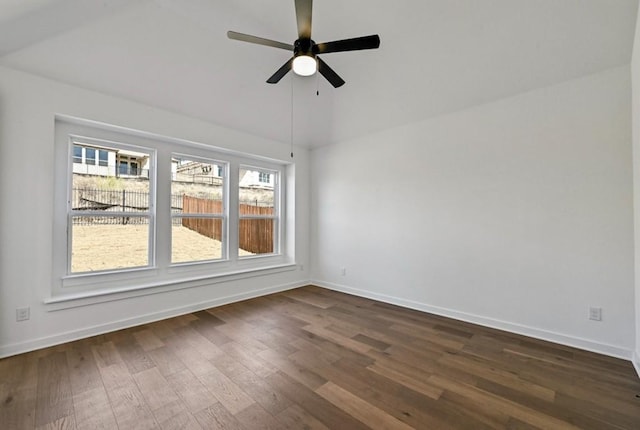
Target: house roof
(435,57)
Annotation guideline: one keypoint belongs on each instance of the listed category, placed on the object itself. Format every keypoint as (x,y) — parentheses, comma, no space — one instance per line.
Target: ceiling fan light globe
(305,65)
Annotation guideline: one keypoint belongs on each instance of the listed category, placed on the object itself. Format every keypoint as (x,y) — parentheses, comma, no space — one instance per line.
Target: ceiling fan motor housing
(305,47)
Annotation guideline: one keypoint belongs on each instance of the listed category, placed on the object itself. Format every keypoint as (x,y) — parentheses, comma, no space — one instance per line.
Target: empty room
(303,214)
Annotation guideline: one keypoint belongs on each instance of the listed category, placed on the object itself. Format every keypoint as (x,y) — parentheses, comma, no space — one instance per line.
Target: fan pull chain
(291,137)
(317,84)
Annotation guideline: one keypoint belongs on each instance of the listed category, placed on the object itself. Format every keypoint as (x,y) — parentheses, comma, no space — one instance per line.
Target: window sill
(85,298)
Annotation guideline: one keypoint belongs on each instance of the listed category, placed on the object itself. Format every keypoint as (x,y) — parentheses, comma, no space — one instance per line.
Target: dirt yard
(104,247)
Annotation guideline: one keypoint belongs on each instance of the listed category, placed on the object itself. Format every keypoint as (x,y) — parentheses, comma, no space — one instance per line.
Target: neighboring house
(196,171)
(102,161)
(256,179)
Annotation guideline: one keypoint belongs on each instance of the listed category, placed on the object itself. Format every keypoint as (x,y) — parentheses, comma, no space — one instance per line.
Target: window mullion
(233,210)
(162,218)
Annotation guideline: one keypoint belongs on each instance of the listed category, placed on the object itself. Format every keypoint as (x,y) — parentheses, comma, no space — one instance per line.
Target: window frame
(162,275)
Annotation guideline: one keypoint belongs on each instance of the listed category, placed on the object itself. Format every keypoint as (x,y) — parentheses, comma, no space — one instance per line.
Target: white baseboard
(636,361)
(576,342)
(44,342)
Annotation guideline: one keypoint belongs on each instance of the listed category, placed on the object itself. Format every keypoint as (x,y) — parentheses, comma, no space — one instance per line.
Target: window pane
(119,195)
(77,154)
(196,187)
(253,191)
(196,239)
(256,236)
(90,156)
(103,157)
(108,243)
(123,167)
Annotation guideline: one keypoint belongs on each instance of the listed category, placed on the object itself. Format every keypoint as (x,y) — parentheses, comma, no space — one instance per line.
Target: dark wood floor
(315,359)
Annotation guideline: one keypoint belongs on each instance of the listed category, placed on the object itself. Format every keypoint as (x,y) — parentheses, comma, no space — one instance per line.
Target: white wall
(516,214)
(27,108)
(635,123)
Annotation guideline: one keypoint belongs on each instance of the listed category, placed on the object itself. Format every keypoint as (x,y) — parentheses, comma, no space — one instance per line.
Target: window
(162,212)
(123,167)
(258,227)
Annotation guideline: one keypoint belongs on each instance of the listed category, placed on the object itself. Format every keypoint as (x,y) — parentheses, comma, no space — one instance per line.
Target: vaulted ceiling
(436,56)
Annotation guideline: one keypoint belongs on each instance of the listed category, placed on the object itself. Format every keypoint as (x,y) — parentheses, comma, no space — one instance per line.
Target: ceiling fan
(305,60)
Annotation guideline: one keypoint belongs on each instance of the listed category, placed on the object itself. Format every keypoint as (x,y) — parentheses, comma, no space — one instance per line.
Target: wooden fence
(255,235)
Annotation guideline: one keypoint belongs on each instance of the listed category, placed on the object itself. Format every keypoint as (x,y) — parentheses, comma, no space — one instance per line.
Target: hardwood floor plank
(359,409)
(375,343)
(190,356)
(105,354)
(18,391)
(169,410)
(148,340)
(182,421)
(407,381)
(232,397)
(255,387)
(508,407)
(192,392)
(217,417)
(130,409)
(252,362)
(64,423)
(154,388)
(93,410)
(166,361)
(116,376)
(133,355)
(294,418)
(84,373)
(404,404)
(54,396)
(301,374)
(198,342)
(323,410)
(490,370)
(255,417)
(338,339)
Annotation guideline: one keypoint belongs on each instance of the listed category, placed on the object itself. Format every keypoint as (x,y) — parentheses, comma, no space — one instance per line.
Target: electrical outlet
(343,271)
(595,314)
(22,314)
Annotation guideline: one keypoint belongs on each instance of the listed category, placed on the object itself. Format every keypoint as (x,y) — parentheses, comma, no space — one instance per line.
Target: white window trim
(161,275)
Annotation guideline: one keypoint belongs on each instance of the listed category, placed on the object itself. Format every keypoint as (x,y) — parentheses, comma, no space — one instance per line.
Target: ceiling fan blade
(275,78)
(258,40)
(355,44)
(303,16)
(329,74)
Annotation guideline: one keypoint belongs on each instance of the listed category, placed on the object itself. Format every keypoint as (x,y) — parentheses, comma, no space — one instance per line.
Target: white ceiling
(436,56)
